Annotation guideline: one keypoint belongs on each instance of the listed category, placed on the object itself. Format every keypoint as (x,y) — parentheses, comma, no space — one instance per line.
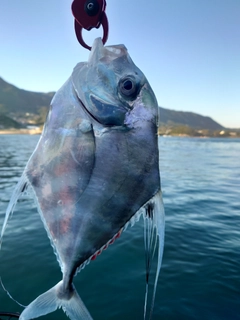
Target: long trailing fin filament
(154,229)
(21,305)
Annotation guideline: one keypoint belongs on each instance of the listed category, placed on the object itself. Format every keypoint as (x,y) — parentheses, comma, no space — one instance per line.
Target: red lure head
(89,14)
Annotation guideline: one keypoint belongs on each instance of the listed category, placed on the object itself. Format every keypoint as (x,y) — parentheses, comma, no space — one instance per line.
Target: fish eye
(128,87)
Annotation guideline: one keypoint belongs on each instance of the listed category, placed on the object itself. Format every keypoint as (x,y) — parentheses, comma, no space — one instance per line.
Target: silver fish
(95,170)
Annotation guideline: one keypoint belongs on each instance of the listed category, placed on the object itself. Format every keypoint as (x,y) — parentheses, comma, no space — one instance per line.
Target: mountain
(193,120)
(6,122)
(18,101)
(31,107)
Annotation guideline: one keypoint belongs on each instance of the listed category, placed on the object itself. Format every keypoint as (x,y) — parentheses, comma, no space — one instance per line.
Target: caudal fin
(49,302)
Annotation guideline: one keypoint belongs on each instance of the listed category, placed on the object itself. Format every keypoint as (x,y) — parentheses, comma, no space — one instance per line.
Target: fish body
(96,165)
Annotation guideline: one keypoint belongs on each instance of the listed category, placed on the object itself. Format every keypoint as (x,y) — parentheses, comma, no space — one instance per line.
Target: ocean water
(200,275)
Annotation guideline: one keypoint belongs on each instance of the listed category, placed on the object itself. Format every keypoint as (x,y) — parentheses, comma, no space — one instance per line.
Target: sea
(200,274)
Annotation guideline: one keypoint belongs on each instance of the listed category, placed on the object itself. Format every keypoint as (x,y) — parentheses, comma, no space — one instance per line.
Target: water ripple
(200,273)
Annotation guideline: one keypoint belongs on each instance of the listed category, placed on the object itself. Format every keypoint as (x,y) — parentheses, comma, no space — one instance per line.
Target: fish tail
(53,299)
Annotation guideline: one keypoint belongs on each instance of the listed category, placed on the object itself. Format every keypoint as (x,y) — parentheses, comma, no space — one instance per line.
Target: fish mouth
(86,110)
(106,114)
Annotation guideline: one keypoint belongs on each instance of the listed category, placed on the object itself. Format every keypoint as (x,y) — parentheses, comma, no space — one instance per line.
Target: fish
(95,171)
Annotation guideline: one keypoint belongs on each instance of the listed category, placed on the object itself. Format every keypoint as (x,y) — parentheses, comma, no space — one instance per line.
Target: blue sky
(188,49)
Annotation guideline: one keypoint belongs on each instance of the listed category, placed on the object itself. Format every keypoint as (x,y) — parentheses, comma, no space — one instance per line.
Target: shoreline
(37,131)
(21,131)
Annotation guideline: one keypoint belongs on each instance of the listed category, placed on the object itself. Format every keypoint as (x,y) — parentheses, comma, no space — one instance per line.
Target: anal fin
(154,230)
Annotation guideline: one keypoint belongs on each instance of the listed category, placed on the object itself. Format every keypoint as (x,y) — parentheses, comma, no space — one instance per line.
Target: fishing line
(21,305)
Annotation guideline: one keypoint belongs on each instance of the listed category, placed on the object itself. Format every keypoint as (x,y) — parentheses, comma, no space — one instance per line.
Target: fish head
(112,89)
